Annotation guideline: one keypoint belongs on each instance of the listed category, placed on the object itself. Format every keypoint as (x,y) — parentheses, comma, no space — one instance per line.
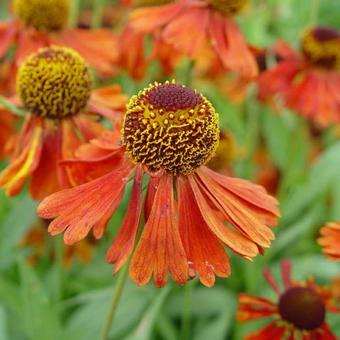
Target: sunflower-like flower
(299,313)
(330,240)
(209,21)
(191,213)
(42,23)
(54,86)
(308,81)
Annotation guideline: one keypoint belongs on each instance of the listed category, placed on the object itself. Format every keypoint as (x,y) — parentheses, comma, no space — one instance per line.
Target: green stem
(187,304)
(59,253)
(75,4)
(11,107)
(117,293)
(314,14)
(98,9)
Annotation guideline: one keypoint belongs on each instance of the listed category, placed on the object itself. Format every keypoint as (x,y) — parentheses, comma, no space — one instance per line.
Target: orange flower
(209,21)
(54,86)
(42,23)
(299,313)
(169,132)
(330,240)
(309,81)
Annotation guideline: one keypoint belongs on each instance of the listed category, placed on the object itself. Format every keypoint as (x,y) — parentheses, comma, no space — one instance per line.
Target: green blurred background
(48,300)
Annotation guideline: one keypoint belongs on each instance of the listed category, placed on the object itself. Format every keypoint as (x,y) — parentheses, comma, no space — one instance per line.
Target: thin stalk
(75,4)
(314,13)
(97,15)
(186,315)
(59,253)
(117,294)
(11,107)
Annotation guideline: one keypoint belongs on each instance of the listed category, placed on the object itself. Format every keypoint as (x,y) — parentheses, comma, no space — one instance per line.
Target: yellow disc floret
(228,7)
(149,3)
(321,47)
(44,15)
(169,126)
(54,82)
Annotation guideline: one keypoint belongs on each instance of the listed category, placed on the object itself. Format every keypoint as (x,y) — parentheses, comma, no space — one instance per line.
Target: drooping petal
(240,215)
(160,250)
(231,46)
(80,208)
(204,251)
(26,159)
(181,30)
(98,47)
(271,332)
(148,19)
(123,243)
(44,179)
(236,241)
(254,307)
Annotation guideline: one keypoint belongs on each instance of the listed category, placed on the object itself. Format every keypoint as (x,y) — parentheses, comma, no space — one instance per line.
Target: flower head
(321,47)
(54,85)
(44,15)
(308,80)
(191,213)
(289,313)
(171,127)
(55,82)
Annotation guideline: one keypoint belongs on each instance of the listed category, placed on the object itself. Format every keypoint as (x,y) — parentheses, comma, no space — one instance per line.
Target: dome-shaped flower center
(321,47)
(228,7)
(44,15)
(54,82)
(302,307)
(172,127)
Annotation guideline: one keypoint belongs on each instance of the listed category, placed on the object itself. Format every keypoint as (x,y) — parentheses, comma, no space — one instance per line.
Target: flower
(7,131)
(168,133)
(289,315)
(54,85)
(308,81)
(42,23)
(209,21)
(330,240)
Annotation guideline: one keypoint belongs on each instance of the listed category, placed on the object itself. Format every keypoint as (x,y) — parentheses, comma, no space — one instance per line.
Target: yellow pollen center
(44,15)
(54,82)
(169,126)
(229,7)
(321,47)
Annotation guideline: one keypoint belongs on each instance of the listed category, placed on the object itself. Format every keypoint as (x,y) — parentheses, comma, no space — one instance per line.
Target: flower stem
(117,293)
(314,14)
(74,13)
(185,326)
(97,14)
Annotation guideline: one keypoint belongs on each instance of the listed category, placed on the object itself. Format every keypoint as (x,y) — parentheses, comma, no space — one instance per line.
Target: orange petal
(271,332)
(330,240)
(205,254)
(150,18)
(231,46)
(25,161)
(160,250)
(8,31)
(45,177)
(97,197)
(236,212)
(254,307)
(123,243)
(236,241)
(181,30)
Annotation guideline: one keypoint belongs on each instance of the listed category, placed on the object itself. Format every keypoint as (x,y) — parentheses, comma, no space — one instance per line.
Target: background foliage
(51,301)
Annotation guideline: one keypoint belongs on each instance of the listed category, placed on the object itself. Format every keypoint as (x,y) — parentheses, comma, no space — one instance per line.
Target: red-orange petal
(330,240)
(271,332)
(8,31)
(160,250)
(254,307)
(26,159)
(80,208)
(123,243)
(204,251)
